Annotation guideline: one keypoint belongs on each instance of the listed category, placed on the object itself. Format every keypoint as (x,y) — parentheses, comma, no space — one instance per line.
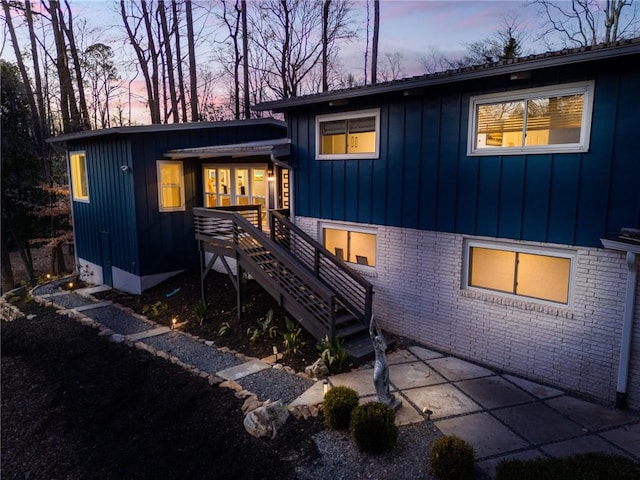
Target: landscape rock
(317,370)
(266,420)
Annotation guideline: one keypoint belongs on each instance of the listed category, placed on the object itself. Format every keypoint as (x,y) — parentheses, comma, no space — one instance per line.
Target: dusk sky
(412,28)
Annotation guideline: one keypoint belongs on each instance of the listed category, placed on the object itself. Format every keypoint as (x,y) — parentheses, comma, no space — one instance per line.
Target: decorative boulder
(317,370)
(265,421)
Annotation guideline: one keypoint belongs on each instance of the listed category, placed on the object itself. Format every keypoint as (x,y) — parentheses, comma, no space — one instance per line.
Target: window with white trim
(537,120)
(541,274)
(351,246)
(170,186)
(354,135)
(79,181)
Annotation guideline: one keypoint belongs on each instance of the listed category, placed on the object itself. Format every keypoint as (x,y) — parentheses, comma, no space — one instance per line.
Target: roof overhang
(267,148)
(513,67)
(169,127)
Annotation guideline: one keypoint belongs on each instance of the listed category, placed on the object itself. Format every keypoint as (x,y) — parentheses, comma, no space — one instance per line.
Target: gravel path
(116,320)
(195,353)
(276,385)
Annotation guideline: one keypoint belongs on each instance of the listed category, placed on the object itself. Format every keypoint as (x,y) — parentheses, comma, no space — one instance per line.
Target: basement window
(541,274)
(170,186)
(351,246)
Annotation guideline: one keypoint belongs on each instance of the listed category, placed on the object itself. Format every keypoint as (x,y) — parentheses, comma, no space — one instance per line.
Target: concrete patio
(502,416)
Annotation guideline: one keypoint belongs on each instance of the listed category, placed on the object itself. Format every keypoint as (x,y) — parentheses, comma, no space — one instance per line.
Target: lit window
(352,247)
(79,182)
(348,135)
(170,186)
(522,272)
(539,120)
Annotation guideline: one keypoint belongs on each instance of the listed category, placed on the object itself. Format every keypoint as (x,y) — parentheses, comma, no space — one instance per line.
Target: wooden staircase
(327,297)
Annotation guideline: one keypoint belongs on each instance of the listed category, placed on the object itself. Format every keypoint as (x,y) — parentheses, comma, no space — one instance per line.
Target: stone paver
(486,434)
(489,466)
(312,396)
(443,400)
(400,356)
(592,416)
(494,392)
(538,423)
(148,333)
(576,446)
(454,369)
(360,380)
(535,389)
(424,353)
(242,370)
(92,305)
(412,375)
(627,438)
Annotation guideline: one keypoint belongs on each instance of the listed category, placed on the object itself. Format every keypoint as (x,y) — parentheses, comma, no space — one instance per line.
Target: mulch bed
(75,405)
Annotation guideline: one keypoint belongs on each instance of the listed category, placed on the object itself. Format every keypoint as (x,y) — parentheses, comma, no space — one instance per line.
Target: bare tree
(392,68)
(138,24)
(289,35)
(325,44)
(434,60)
(176,34)
(232,58)
(166,41)
(507,42)
(588,22)
(102,77)
(245,60)
(374,46)
(193,78)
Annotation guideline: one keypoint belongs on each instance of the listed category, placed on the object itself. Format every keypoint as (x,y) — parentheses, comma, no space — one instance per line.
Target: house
(133,190)
(495,210)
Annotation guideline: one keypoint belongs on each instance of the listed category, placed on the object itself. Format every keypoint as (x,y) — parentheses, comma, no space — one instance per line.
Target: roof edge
(164,127)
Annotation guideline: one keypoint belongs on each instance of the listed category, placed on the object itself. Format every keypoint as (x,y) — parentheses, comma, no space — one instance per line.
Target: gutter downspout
(627,329)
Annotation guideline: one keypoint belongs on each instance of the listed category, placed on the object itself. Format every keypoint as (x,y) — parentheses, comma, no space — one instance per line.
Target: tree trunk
(84,124)
(169,61)
(25,76)
(374,46)
(325,44)
(176,33)
(150,78)
(8,282)
(245,59)
(284,61)
(193,78)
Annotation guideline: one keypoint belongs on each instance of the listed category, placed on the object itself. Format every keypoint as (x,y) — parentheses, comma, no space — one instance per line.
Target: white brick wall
(417,283)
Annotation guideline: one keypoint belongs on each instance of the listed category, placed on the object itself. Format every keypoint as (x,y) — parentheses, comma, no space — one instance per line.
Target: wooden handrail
(229,228)
(352,290)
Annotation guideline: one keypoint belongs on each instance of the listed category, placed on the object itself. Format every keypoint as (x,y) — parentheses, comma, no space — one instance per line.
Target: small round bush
(452,458)
(338,404)
(373,427)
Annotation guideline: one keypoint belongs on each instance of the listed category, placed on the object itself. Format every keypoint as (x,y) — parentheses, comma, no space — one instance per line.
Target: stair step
(359,348)
(343,317)
(350,330)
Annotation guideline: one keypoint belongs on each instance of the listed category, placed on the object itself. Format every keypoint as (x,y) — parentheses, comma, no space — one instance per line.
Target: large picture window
(79,182)
(170,186)
(351,246)
(539,274)
(348,135)
(540,120)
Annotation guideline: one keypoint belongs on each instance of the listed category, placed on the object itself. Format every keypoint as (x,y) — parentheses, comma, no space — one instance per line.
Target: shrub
(200,311)
(339,402)
(333,354)
(373,427)
(588,466)
(452,458)
(266,329)
(292,341)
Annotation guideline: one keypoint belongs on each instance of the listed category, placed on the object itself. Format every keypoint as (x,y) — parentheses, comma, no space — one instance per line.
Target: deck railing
(227,230)
(352,290)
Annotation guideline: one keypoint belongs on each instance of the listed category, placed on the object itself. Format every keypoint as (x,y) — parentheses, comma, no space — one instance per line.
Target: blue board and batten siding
(109,216)
(425,180)
(123,208)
